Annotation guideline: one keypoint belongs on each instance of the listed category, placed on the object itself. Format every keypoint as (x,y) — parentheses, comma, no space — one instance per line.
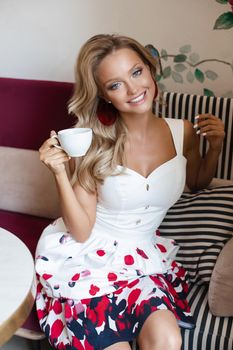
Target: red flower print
(101,309)
(142,253)
(94,289)
(120,325)
(120,284)
(180,303)
(173,264)
(100,252)
(112,276)
(133,283)
(39,288)
(40,314)
(161,248)
(88,346)
(181,272)
(157,281)
(57,308)
(92,316)
(133,297)
(129,260)
(46,276)
(68,311)
(56,329)
(76,343)
(75,277)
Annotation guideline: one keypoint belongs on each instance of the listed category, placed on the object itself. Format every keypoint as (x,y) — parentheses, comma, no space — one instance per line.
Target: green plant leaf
(199,75)
(194,57)
(179,67)
(185,48)
(222,2)
(161,87)
(167,72)
(207,92)
(190,77)
(164,54)
(211,75)
(224,21)
(177,77)
(180,58)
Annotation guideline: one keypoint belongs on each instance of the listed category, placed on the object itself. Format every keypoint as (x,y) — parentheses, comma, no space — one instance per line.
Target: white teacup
(75,141)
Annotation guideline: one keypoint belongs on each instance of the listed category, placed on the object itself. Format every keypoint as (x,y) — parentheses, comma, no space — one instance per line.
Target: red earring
(106,113)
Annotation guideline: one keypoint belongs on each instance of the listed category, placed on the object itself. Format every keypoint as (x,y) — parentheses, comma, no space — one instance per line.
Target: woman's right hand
(53,157)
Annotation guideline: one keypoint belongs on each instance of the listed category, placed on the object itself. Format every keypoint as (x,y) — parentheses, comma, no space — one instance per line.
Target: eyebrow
(117,79)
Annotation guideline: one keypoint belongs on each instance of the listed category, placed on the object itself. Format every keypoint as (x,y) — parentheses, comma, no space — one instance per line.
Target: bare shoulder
(191,140)
(188,128)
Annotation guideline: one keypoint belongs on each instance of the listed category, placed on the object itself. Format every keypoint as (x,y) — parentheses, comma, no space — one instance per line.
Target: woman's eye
(114,86)
(137,72)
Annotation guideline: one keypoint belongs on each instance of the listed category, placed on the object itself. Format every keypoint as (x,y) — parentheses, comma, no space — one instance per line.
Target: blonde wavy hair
(107,148)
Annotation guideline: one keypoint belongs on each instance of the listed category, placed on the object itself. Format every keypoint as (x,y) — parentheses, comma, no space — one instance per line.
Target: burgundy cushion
(27,227)
(33,108)
(32,322)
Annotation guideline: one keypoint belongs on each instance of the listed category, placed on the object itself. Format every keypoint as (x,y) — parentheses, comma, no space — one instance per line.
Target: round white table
(17,291)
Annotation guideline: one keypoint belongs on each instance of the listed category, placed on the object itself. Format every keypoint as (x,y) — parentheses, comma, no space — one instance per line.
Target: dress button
(138,221)
(147,187)
(147,207)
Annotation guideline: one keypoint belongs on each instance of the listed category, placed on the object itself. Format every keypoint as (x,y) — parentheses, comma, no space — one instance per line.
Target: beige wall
(40,39)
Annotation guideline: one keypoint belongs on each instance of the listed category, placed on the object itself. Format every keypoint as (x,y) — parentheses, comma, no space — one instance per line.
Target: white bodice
(131,203)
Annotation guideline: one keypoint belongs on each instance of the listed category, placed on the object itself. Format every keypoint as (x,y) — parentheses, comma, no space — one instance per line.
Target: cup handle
(55,137)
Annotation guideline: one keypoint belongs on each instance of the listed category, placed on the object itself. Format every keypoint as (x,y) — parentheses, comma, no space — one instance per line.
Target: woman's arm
(77,205)
(200,171)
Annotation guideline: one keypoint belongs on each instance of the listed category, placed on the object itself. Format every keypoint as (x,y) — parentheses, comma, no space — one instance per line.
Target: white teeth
(138,99)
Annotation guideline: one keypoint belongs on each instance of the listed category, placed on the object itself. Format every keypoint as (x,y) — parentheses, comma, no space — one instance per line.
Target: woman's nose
(131,88)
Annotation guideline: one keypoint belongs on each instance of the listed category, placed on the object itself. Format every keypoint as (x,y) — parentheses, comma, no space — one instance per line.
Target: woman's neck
(139,126)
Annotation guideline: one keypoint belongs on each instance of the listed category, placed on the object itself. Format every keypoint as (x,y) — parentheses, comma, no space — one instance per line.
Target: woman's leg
(160,332)
(119,346)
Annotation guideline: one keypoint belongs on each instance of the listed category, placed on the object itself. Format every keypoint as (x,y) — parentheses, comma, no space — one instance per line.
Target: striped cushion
(200,223)
(211,332)
(185,106)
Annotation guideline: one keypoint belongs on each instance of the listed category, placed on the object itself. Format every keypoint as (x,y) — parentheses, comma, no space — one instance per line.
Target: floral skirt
(98,322)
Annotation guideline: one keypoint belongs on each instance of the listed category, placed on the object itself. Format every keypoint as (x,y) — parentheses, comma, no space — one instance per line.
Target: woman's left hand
(212,128)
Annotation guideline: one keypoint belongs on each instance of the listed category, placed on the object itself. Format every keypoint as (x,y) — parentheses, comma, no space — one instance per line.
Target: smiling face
(126,81)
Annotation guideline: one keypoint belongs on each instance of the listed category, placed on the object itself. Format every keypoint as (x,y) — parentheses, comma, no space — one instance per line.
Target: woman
(105,277)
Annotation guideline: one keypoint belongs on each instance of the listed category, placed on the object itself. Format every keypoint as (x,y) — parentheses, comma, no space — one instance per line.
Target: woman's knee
(173,341)
(160,331)
(165,341)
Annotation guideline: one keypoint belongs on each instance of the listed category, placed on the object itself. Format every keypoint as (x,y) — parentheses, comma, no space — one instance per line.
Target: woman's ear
(103,97)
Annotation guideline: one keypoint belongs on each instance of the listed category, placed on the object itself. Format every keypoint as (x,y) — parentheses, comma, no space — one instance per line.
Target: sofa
(200,222)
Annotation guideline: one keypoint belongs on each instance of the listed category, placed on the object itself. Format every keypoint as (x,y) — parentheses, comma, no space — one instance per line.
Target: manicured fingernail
(198,132)
(197,117)
(204,134)
(195,126)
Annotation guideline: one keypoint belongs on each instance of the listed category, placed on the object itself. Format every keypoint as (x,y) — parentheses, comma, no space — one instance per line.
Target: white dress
(124,249)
